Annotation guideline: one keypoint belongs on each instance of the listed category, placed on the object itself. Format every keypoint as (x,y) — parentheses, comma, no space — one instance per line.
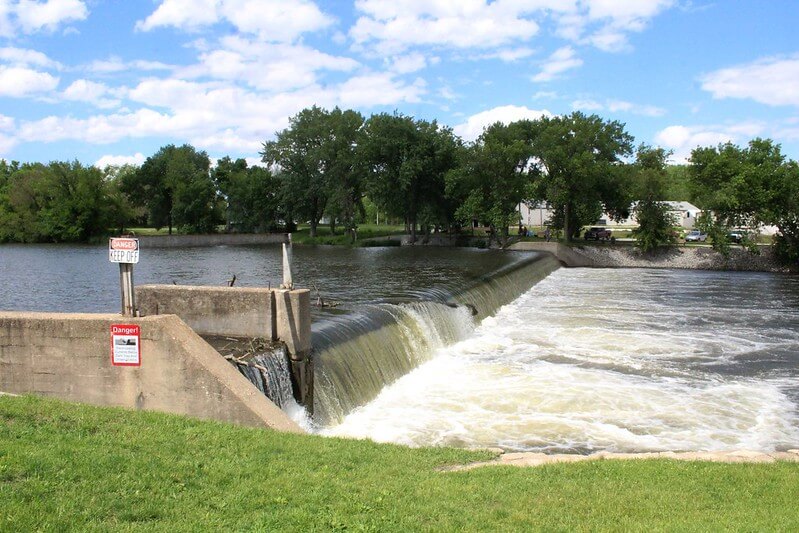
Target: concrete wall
(564,254)
(185,241)
(236,311)
(69,356)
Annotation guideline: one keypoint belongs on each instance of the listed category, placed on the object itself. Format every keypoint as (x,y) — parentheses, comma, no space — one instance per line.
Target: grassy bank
(67,467)
(323,235)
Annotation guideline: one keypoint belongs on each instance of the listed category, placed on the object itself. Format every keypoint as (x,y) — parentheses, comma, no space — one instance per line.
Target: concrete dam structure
(71,356)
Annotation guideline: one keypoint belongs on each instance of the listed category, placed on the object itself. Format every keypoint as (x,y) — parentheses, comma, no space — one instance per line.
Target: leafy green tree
(736,187)
(59,202)
(783,211)
(655,220)
(407,161)
(494,177)
(175,187)
(122,211)
(579,159)
(300,153)
(251,193)
(677,186)
(345,169)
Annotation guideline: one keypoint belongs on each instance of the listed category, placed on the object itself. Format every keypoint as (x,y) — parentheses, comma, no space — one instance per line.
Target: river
(574,360)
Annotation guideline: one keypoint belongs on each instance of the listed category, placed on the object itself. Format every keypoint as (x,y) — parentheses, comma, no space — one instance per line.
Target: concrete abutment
(68,356)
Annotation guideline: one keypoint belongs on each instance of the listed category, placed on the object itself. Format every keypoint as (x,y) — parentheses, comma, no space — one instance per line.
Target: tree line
(335,164)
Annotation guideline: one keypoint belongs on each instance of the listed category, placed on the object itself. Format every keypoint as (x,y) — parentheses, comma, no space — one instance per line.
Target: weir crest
(358,354)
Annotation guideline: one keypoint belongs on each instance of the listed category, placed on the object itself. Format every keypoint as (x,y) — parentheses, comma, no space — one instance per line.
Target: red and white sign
(125,345)
(123,250)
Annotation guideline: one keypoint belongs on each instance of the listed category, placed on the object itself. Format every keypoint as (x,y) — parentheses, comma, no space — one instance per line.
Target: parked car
(695,236)
(736,236)
(598,234)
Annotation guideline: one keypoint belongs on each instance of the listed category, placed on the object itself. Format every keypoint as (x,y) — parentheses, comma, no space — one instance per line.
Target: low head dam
(74,356)
(69,356)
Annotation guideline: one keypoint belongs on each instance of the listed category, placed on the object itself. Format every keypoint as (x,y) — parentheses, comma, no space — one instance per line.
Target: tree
(494,177)
(783,211)
(345,169)
(299,152)
(175,187)
(655,220)
(407,161)
(737,187)
(579,162)
(59,202)
(251,195)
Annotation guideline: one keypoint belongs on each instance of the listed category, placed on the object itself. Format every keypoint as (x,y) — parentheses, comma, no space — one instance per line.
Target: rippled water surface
(621,360)
(74,278)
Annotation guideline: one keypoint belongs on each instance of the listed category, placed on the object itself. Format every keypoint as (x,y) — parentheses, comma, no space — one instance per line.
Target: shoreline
(533,459)
(679,257)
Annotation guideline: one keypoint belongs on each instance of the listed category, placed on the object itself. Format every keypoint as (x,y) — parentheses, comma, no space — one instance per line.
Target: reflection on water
(621,360)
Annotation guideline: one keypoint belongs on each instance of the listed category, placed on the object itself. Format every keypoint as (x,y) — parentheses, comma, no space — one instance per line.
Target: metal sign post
(125,251)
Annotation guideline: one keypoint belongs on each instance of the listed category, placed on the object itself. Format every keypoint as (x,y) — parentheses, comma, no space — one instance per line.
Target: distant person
(547,234)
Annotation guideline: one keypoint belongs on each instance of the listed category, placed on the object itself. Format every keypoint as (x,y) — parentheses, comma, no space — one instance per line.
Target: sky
(112,81)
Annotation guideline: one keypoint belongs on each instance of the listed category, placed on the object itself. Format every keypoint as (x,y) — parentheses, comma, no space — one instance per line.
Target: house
(539,214)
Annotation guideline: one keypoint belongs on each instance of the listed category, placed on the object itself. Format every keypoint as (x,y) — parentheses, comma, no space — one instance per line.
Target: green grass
(149,231)
(70,467)
(323,235)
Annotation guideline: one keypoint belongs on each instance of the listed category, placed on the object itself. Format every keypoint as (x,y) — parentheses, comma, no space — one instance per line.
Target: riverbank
(138,470)
(685,257)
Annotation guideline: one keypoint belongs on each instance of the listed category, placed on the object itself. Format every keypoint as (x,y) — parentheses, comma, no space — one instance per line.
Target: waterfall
(268,370)
(357,354)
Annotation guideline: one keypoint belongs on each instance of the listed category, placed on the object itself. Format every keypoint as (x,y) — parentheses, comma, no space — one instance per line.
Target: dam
(487,348)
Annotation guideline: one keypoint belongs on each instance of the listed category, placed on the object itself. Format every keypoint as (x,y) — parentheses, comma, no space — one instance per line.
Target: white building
(539,214)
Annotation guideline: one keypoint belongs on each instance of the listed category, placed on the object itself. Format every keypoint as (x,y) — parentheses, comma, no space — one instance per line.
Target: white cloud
(119,160)
(560,61)
(6,123)
(391,26)
(116,64)
(683,139)
(7,144)
(34,15)
(587,105)
(540,95)
(475,124)
(271,20)
(19,82)
(90,92)
(379,89)
(771,81)
(184,14)
(509,55)
(22,57)
(616,106)
(215,115)
(408,63)
(394,25)
(266,66)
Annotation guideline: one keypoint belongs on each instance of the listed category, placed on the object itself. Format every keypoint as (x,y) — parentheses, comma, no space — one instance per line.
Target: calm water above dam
(81,279)
(483,348)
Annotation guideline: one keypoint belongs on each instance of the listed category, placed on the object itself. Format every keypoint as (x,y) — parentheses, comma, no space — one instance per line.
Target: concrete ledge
(564,254)
(68,356)
(231,239)
(240,312)
(272,314)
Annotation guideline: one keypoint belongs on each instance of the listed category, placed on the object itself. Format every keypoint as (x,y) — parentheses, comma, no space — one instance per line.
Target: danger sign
(123,250)
(125,345)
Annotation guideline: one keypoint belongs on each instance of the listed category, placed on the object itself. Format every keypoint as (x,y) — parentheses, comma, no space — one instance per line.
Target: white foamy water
(619,360)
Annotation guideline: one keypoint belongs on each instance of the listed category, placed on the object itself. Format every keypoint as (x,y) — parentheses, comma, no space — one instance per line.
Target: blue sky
(111,81)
